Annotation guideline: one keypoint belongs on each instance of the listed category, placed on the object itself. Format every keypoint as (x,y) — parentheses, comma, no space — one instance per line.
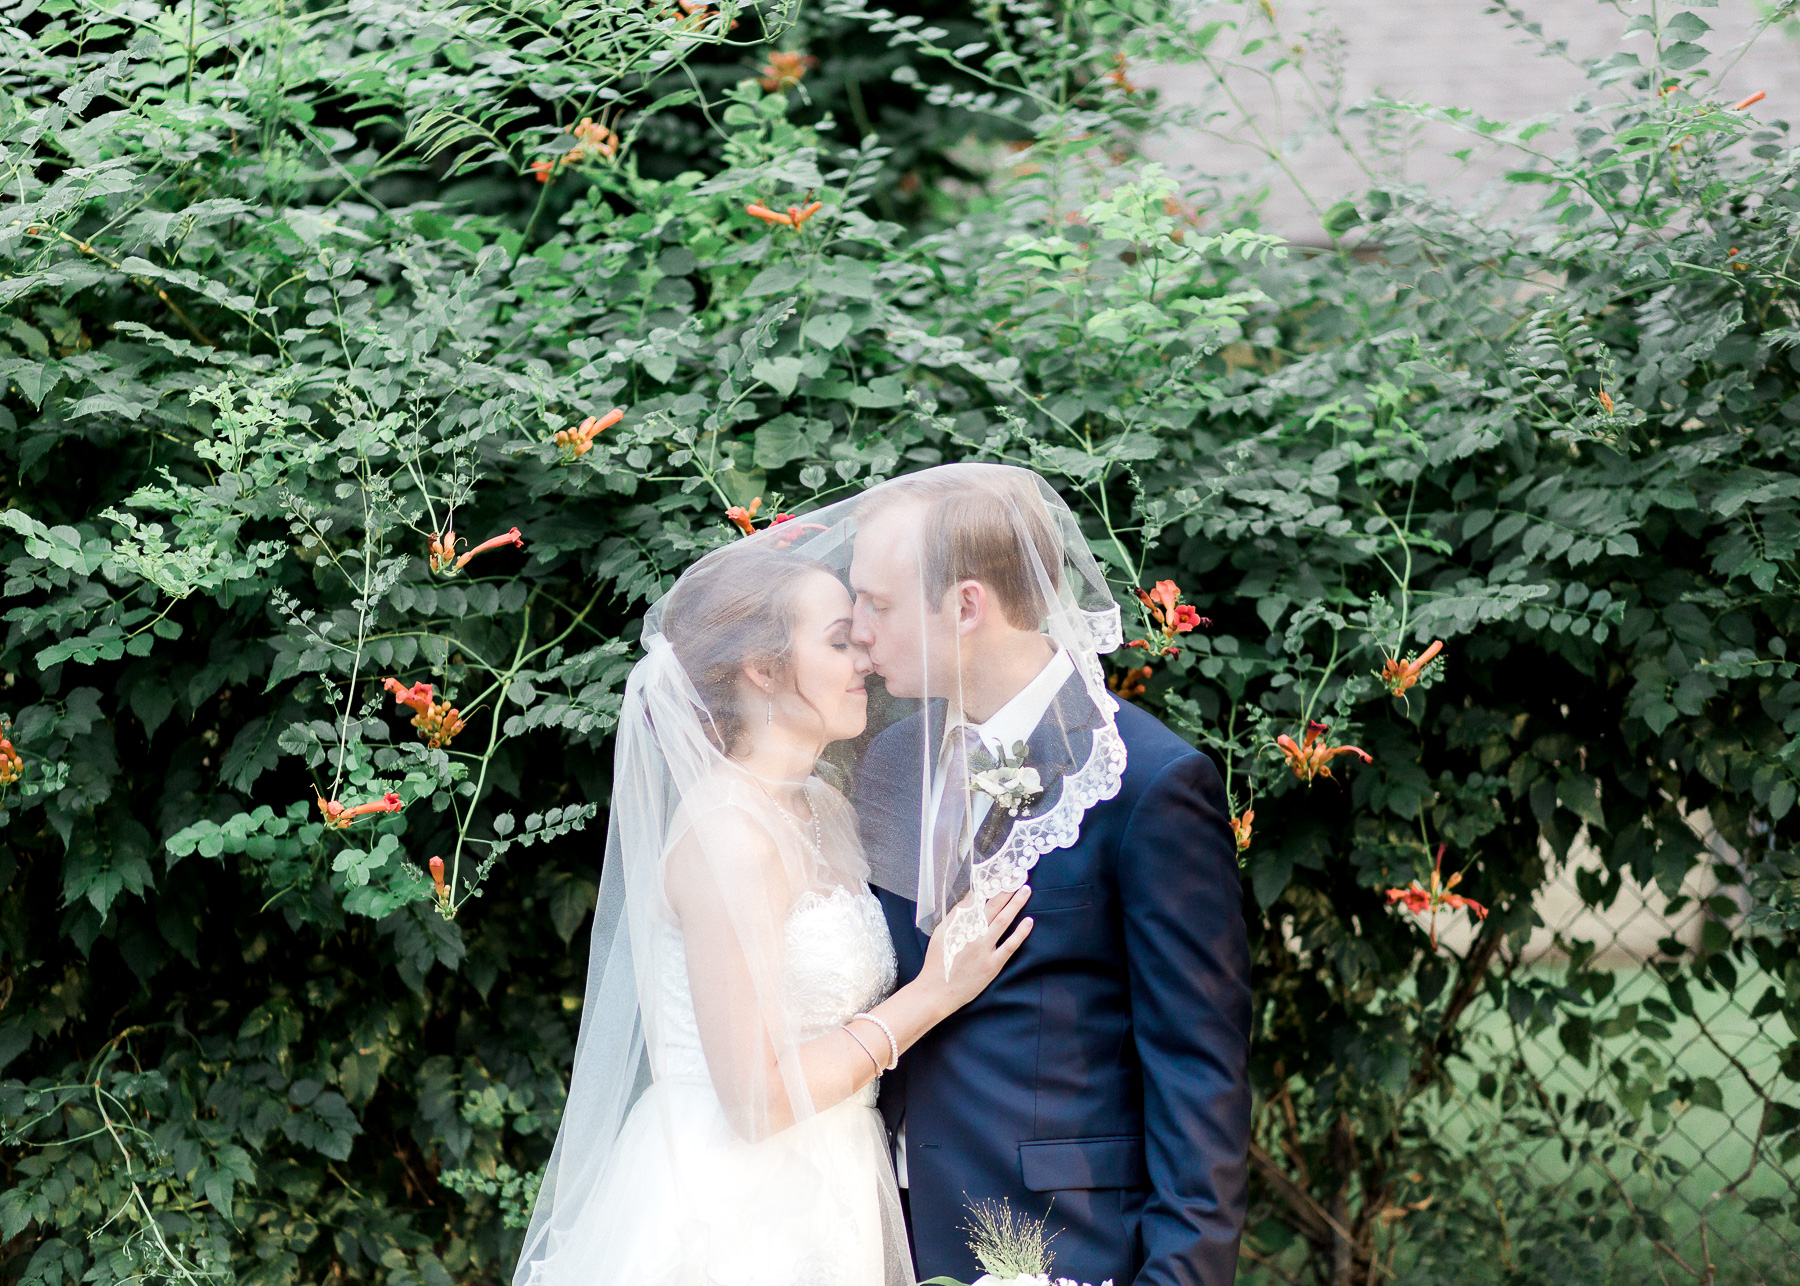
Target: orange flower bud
(579,441)
(437,879)
(1130,684)
(1751,101)
(785,70)
(1606,402)
(1400,675)
(1240,828)
(340,818)
(745,517)
(493,542)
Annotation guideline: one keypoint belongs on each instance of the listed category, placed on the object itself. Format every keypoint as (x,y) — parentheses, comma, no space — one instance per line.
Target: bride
(720,1126)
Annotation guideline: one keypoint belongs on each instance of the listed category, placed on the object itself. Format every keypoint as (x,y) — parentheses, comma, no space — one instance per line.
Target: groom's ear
(973,602)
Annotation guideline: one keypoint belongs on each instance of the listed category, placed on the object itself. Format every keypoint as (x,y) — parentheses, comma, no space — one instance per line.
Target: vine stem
(467,816)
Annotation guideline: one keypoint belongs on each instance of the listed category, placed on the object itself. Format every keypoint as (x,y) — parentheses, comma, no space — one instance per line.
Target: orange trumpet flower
(1120,76)
(1312,757)
(785,70)
(1400,675)
(12,766)
(340,818)
(579,441)
(793,217)
(1170,615)
(745,516)
(1420,900)
(437,721)
(1751,101)
(493,542)
(438,886)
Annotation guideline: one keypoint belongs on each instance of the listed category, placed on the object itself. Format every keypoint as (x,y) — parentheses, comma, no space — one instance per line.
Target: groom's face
(906,642)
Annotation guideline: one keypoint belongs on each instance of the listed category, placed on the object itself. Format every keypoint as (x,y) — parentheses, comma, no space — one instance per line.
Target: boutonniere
(1007,781)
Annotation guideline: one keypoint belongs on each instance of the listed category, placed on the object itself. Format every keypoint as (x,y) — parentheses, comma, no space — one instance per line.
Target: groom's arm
(1188,955)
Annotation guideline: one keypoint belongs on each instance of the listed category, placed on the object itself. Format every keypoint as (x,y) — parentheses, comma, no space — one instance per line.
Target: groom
(1100,1082)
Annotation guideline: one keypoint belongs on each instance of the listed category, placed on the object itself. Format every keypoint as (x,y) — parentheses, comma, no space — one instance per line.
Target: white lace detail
(1106,629)
(1030,838)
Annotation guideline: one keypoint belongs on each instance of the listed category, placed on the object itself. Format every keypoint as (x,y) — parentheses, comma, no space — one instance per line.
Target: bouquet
(1010,1247)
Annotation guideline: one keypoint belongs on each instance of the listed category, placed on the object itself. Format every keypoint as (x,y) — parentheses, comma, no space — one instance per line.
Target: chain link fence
(1631,1100)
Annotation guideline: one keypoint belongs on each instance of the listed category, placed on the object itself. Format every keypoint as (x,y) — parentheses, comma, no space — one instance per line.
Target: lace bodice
(838,961)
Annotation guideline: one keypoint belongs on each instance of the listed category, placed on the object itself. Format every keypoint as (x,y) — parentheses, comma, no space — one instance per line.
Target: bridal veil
(689,1118)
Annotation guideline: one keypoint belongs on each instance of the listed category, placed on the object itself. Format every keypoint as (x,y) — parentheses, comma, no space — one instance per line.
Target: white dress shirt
(1000,732)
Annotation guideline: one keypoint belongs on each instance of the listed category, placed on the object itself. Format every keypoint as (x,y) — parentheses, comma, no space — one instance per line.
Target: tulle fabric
(682,1159)
(690,1151)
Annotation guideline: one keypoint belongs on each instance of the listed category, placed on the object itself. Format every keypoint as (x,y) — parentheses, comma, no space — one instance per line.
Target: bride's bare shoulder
(721,837)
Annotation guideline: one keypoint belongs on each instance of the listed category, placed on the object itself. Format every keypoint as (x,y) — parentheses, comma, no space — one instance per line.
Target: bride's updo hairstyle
(730,610)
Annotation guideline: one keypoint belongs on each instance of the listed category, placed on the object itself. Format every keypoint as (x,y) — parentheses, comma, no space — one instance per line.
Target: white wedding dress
(686,1201)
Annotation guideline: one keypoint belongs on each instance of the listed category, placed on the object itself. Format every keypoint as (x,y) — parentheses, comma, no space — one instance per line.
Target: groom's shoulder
(1150,748)
(897,747)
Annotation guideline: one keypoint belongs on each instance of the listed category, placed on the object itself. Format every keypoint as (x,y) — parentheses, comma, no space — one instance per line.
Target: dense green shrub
(286,307)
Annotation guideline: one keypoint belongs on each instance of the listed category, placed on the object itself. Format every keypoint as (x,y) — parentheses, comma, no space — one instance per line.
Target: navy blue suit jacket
(1101,1080)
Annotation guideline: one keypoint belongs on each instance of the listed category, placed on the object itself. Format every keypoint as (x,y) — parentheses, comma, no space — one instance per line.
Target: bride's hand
(977,964)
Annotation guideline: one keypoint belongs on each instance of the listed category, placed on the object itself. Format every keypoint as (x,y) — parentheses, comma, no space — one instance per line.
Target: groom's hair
(986,523)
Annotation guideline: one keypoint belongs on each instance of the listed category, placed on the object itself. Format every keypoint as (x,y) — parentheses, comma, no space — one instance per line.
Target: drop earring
(771,717)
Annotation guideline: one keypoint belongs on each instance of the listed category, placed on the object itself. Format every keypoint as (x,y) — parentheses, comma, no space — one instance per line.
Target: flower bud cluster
(12,766)
(437,721)
(579,441)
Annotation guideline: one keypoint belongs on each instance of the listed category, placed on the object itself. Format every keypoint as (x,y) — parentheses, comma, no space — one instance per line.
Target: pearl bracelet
(893,1045)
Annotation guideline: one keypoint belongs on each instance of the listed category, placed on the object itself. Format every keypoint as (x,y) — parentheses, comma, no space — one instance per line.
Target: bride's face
(828,669)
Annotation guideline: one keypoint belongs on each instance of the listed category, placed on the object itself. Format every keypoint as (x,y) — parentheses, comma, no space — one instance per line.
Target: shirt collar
(1018,718)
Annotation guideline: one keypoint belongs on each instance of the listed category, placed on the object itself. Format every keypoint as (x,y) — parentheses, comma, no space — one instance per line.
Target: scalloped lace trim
(1028,840)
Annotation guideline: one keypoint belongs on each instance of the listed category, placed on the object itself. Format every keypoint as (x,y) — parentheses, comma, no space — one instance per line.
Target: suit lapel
(1058,746)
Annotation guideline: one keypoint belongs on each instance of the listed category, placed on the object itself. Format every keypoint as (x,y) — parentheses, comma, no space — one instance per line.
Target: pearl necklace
(818,836)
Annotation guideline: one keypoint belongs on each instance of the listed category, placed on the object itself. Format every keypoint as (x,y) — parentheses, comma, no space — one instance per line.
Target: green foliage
(288,321)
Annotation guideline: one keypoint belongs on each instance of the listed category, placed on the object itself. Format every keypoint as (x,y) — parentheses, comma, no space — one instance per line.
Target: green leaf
(780,440)
(779,373)
(776,280)
(885,390)
(1706,1093)
(848,277)
(1580,794)
(1682,55)
(1686,26)
(569,906)
(1270,873)
(1341,217)
(827,330)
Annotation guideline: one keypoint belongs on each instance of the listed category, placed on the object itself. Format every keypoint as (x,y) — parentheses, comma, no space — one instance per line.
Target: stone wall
(1451,53)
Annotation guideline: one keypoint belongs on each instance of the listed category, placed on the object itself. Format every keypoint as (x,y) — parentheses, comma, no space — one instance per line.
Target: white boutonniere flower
(1008,782)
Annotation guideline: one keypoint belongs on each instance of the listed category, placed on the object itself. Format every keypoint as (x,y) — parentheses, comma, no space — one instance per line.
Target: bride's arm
(733,912)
